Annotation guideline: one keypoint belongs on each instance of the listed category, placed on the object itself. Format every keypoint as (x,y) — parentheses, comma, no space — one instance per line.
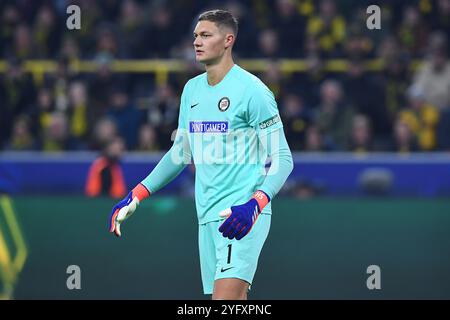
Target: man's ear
(229,40)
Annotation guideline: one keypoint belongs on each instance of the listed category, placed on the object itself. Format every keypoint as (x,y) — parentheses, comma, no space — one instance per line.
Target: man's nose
(197,42)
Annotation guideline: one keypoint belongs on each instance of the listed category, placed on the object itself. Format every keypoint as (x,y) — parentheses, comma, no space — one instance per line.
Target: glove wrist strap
(262,198)
(141,192)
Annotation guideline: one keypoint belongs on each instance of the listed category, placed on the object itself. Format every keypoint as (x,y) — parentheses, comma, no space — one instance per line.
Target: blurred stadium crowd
(399,106)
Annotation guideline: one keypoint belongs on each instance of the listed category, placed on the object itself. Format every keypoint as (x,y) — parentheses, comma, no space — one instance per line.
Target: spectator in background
(102,86)
(308,83)
(126,116)
(105,176)
(290,28)
(104,129)
(133,30)
(268,44)
(440,16)
(273,78)
(389,49)
(358,44)
(21,138)
(361,137)
(10,19)
(147,139)
(184,51)
(413,31)
(162,24)
(46,32)
(393,82)
(359,85)
(23,47)
(247,28)
(312,48)
(56,136)
(422,119)
(433,78)
(315,140)
(333,115)
(107,44)
(361,41)
(42,112)
(403,139)
(70,49)
(364,93)
(296,118)
(78,110)
(59,84)
(329,27)
(91,16)
(163,114)
(17,94)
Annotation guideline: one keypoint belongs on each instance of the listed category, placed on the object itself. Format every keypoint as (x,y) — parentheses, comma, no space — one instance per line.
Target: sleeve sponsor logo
(269,122)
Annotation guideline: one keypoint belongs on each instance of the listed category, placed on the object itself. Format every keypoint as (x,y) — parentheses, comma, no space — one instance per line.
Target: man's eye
(205,35)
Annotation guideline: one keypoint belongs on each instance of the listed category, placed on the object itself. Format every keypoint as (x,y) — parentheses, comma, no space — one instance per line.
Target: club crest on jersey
(224,104)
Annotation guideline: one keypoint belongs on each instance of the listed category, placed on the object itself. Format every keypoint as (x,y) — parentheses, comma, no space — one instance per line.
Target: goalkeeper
(228,124)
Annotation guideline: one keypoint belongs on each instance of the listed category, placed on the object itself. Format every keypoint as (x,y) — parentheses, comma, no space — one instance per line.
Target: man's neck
(216,72)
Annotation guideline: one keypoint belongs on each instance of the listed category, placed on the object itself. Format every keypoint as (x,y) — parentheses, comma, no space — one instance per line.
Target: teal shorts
(222,258)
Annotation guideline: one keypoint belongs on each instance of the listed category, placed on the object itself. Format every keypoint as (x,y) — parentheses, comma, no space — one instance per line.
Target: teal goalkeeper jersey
(226,130)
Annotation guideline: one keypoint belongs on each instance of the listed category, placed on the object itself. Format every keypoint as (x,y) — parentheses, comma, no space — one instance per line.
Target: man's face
(210,42)
(438,60)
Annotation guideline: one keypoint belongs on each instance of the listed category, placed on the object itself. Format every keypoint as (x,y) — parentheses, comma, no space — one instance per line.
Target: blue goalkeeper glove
(126,207)
(241,218)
